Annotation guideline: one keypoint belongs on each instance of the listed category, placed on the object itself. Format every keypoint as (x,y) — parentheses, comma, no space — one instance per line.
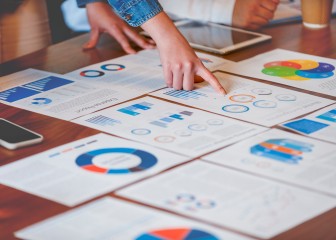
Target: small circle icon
(286,97)
(235,108)
(265,104)
(141,131)
(197,127)
(242,98)
(92,73)
(164,139)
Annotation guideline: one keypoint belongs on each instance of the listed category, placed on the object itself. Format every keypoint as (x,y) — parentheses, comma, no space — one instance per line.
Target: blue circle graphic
(85,160)
(41,101)
(112,67)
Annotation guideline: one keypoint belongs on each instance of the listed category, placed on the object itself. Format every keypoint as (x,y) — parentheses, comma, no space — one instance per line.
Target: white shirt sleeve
(219,11)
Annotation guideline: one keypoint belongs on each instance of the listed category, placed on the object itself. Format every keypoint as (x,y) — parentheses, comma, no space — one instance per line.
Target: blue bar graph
(329,116)
(103,121)
(17,93)
(186,95)
(133,109)
(47,83)
(163,122)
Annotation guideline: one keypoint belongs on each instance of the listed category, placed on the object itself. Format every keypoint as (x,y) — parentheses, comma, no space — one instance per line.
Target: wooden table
(19,209)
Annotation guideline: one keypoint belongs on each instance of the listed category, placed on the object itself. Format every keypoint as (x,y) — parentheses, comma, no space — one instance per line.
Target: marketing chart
(141,73)
(247,100)
(84,169)
(284,156)
(320,124)
(170,126)
(304,71)
(111,218)
(229,198)
(57,95)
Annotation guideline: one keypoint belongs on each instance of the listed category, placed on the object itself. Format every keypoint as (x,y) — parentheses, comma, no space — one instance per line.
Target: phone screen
(213,36)
(14,134)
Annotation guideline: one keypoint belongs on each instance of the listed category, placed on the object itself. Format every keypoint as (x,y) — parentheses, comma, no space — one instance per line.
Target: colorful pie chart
(86,160)
(177,234)
(112,67)
(299,69)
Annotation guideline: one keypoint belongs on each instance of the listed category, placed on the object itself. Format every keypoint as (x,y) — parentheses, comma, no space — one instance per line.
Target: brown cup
(316,13)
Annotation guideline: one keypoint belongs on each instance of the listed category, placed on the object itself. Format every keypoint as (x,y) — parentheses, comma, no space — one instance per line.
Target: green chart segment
(147,160)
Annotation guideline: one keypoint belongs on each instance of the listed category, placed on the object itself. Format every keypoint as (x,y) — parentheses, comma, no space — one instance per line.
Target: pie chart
(177,234)
(86,160)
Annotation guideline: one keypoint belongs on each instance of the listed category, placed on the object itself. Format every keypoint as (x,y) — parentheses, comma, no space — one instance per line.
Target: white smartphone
(217,38)
(13,136)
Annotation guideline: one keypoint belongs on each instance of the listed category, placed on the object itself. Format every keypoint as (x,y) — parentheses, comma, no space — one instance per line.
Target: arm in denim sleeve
(136,12)
(82,3)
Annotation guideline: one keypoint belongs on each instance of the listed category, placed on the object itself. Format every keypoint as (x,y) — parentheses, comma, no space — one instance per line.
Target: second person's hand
(179,61)
(103,19)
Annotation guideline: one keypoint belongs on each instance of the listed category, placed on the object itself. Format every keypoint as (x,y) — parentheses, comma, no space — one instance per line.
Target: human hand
(179,61)
(253,14)
(103,19)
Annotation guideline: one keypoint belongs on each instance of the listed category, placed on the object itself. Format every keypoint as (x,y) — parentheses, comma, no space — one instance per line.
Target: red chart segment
(177,234)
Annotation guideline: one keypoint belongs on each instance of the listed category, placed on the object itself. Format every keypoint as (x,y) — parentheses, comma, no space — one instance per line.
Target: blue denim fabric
(136,12)
(82,3)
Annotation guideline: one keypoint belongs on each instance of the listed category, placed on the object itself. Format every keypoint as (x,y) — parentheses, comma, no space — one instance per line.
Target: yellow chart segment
(306,64)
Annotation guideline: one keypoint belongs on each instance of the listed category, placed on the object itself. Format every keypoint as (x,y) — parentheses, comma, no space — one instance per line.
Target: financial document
(231,199)
(109,218)
(84,169)
(177,128)
(247,100)
(141,72)
(303,71)
(57,95)
(320,124)
(284,156)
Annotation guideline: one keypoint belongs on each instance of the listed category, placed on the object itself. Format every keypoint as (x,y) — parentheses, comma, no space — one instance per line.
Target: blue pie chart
(147,160)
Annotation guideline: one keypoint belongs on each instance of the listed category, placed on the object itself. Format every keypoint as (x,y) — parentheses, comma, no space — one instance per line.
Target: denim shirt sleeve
(82,3)
(136,12)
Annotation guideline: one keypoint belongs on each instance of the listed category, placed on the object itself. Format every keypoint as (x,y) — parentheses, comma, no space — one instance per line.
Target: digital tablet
(218,38)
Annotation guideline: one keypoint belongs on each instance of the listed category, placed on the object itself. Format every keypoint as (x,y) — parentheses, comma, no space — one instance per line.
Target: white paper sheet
(84,169)
(57,95)
(229,198)
(320,124)
(284,156)
(109,218)
(247,100)
(303,71)
(141,72)
(177,128)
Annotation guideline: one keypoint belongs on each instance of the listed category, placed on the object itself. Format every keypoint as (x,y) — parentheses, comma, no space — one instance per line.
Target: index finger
(211,79)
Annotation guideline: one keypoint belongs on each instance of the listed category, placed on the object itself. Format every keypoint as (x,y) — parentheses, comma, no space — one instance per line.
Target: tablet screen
(213,36)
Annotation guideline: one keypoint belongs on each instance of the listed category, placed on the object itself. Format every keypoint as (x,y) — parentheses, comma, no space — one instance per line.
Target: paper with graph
(288,157)
(304,71)
(229,198)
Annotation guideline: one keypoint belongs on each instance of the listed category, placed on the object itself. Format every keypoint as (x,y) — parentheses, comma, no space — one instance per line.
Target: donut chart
(91,73)
(113,67)
(177,234)
(147,160)
(299,70)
